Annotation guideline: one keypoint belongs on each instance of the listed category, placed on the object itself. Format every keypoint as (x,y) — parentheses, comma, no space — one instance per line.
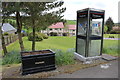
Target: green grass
(61,45)
(12,58)
(62,58)
(58,42)
(110,47)
(71,22)
(115,35)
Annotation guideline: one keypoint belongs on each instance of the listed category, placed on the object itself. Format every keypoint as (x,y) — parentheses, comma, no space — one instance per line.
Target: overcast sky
(110,7)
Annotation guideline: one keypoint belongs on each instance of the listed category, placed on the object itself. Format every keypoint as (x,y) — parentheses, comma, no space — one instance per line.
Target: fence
(10,39)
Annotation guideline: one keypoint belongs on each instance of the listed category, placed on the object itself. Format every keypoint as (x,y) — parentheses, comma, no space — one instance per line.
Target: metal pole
(102,34)
(76,31)
(87,35)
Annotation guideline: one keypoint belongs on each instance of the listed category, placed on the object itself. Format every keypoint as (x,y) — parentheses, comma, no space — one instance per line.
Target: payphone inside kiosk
(89,33)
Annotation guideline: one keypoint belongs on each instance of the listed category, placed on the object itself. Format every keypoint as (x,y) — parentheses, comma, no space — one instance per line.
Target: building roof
(7,27)
(57,25)
(72,27)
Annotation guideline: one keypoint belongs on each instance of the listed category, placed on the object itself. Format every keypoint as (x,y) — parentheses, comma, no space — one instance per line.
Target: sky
(110,7)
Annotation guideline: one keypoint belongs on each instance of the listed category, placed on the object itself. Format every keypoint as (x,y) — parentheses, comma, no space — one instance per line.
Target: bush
(64,58)
(53,34)
(23,34)
(38,37)
(65,34)
(105,29)
(114,32)
(43,35)
(111,50)
(6,34)
(12,58)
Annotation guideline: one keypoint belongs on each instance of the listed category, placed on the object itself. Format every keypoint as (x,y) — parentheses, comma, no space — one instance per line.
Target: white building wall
(59,31)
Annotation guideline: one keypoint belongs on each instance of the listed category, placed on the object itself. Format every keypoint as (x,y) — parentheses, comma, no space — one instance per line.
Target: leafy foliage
(105,29)
(109,23)
(43,35)
(114,32)
(38,37)
(5,34)
(65,34)
(53,34)
(64,58)
(12,58)
(39,17)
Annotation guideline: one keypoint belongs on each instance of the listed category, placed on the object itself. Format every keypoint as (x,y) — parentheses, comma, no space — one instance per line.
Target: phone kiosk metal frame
(89,34)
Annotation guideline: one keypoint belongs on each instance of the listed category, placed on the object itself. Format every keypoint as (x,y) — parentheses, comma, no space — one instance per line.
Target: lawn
(71,22)
(58,42)
(115,35)
(63,46)
(110,47)
(63,43)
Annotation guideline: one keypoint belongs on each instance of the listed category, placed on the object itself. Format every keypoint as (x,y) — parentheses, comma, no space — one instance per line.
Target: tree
(39,18)
(2,14)
(15,8)
(109,23)
(105,29)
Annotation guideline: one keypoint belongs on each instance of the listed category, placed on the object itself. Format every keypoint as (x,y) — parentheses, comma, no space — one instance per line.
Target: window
(73,30)
(56,29)
(60,29)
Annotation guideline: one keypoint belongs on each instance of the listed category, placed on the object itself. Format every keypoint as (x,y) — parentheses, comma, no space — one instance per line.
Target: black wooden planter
(37,61)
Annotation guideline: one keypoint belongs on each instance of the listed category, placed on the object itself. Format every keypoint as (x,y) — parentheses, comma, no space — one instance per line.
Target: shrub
(38,37)
(105,29)
(65,34)
(12,58)
(6,34)
(43,35)
(114,32)
(111,50)
(53,34)
(64,58)
(111,36)
(23,34)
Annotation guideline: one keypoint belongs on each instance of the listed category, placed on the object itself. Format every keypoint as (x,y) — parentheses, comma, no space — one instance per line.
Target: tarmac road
(110,71)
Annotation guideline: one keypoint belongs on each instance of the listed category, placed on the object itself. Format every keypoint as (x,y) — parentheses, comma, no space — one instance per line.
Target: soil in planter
(35,53)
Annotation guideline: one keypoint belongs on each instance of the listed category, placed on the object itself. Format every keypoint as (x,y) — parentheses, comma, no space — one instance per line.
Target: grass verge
(62,58)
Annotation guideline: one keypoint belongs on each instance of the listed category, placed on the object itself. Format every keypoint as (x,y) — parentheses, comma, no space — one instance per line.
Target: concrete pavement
(101,71)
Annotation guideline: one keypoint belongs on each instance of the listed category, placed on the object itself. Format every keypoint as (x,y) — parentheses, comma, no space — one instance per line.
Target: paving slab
(108,57)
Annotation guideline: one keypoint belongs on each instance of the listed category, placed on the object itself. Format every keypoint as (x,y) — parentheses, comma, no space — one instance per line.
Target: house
(8,28)
(59,28)
(72,30)
(116,28)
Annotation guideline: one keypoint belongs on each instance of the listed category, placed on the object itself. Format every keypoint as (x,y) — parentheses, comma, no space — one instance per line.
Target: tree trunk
(3,41)
(19,28)
(33,42)
(3,45)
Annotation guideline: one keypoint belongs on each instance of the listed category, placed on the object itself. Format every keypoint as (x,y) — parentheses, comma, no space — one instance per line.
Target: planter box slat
(38,70)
